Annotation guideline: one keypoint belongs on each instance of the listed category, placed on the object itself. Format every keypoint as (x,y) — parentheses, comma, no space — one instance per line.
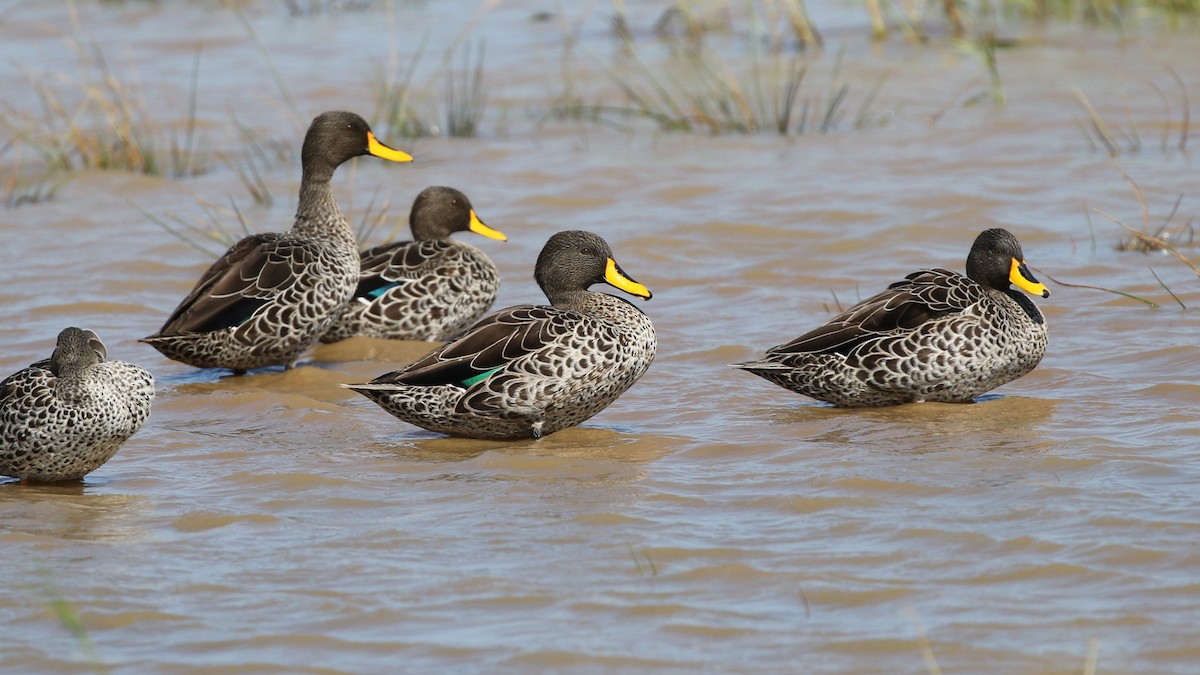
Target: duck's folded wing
(905,305)
(490,344)
(244,279)
(36,376)
(385,265)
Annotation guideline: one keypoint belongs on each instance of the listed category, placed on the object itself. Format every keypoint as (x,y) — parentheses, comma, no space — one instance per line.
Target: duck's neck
(70,383)
(318,214)
(1026,305)
(576,299)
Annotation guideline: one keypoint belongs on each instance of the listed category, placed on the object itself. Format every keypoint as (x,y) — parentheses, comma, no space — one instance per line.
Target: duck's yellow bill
(478,227)
(1022,278)
(616,277)
(380,150)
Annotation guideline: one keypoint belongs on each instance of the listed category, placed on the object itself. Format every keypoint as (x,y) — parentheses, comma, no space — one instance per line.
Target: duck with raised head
(936,336)
(272,295)
(431,288)
(530,370)
(63,417)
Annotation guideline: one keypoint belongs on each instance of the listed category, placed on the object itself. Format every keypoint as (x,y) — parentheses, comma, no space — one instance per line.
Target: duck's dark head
(337,136)
(996,260)
(572,261)
(441,211)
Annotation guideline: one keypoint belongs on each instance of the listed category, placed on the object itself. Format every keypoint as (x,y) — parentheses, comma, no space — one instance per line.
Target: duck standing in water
(936,336)
(430,288)
(530,370)
(272,295)
(62,417)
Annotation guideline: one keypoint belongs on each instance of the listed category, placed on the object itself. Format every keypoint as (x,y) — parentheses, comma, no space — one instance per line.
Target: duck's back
(418,290)
(55,428)
(525,371)
(592,357)
(262,303)
(936,336)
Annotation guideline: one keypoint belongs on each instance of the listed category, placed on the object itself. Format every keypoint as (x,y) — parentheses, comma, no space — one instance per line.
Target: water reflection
(591,443)
(70,511)
(995,422)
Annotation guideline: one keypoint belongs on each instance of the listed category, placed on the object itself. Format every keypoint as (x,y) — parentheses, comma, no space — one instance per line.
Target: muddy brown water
(707,521)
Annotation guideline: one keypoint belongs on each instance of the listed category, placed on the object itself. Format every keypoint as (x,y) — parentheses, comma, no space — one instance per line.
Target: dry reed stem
(1044,273)
(1098,125)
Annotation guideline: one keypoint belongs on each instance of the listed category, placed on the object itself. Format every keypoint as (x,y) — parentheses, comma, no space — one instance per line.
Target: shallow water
(708,521)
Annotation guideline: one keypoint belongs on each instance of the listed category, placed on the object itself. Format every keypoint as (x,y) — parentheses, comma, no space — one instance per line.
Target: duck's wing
(36,377)
(488,345)
(905,305)
(384,266)
(244,279)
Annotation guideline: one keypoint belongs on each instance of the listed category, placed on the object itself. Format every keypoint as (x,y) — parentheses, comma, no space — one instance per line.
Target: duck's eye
(587,250)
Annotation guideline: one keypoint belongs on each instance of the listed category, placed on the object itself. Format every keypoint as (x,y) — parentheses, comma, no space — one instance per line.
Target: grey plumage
(531,370)
(272,295)
(431,288)
(63,417)
(936,336)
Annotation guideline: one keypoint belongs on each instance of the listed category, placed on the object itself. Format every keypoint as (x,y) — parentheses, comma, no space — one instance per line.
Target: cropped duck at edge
(530,370)
(272,295)
(936,336)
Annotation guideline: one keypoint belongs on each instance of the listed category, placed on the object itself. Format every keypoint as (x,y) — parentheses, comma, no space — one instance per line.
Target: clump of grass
(399,114)
(1176,234)
(465,95)
(395,113)
(698,92)
(1145,240)
(1166,236)
(100,122)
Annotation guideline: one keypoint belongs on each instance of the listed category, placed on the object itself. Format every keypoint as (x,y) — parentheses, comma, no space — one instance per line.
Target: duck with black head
(272,295)
(935,336)
(530,370)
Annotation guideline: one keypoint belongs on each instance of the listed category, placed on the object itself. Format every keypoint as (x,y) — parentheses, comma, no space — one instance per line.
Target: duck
(63,417)
(935,336)
(431,288)
(274,294)
(528,371)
